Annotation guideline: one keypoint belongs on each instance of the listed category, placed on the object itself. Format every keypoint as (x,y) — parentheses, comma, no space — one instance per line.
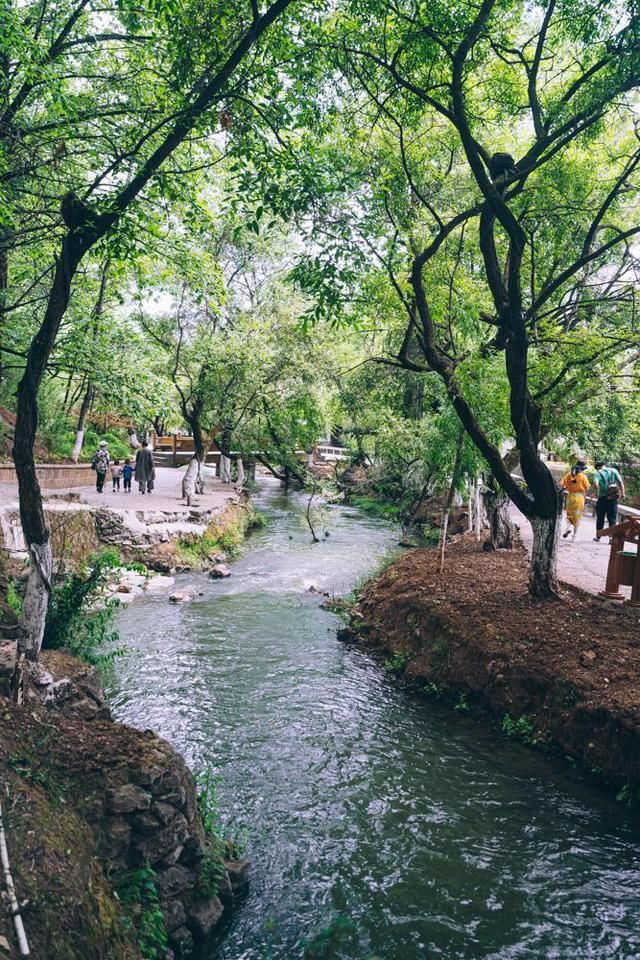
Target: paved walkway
(156,516)
(581,562)
(166,497)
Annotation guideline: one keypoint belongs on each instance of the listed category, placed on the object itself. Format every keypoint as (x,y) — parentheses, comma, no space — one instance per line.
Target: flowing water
(434,836)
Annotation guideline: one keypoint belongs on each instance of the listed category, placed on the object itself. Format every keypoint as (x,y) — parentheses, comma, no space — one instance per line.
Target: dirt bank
(563,673)
(107,845)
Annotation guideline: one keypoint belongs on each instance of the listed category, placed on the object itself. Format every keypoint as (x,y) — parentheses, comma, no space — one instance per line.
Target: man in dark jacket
(145,470)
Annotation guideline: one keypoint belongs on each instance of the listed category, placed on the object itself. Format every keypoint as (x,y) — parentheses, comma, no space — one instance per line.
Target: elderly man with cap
(100,464)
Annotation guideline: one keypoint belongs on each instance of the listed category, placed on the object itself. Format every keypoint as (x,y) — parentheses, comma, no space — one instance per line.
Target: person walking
(100,464)
(116,473)
(127,473)
(609,489)
(576,483)
(145,470)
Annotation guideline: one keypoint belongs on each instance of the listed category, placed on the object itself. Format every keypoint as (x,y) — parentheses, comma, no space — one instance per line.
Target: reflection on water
(436,837)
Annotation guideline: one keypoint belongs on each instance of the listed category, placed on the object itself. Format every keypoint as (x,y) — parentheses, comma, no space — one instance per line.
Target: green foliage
(137,892)
(14,599)
(211,869)
(628,796)
(396,663)
(76,621)
(207,783)
(375,507)
(462,704)
(522,728)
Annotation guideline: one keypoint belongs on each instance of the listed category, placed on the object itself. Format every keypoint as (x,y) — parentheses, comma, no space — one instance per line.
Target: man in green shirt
(609,487)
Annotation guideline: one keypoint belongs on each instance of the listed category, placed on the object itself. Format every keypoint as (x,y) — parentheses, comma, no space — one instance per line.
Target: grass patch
(382,509)
(225,535)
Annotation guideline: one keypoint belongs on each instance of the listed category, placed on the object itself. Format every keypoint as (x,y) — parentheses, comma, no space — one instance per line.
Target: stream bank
(560,674)
(108,851)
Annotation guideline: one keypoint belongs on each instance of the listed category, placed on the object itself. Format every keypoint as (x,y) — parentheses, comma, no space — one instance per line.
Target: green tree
(475,132)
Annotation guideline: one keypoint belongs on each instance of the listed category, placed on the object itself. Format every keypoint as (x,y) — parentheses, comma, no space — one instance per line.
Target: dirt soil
(48,764)
(570,667)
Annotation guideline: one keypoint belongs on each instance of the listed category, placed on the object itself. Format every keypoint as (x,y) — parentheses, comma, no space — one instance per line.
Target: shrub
(211,870)
(137,892)
(396,663)
(73,622)
(14,600)
(520,729)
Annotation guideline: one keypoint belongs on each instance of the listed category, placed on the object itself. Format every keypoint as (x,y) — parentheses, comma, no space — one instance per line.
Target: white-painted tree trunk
(241,474)
(191,480)
(225,469)
(77,446)
(476,507)
(543,573)
(36,600)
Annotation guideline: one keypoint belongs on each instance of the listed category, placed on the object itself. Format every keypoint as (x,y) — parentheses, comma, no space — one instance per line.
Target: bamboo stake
(11,892)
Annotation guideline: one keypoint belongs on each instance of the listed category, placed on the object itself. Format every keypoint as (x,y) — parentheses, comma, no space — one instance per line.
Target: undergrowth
(227,538)
(396,663)
(383,509)
(73,621)
(211,870)
(521,728)
(138,895)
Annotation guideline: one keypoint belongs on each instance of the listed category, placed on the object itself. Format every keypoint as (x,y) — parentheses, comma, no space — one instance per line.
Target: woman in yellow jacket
(576,483)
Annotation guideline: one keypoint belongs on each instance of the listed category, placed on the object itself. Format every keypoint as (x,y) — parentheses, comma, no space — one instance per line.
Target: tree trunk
(241,474)
(87,400)
(90,392)
(32,518)
(225,468)
(543,572)
(455,477)
(501,528)
(192,480)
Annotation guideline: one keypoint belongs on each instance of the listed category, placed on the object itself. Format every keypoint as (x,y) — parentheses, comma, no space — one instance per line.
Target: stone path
(581,562)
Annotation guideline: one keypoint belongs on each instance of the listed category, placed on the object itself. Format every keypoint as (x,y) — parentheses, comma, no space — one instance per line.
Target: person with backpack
(100,464)
(609,488)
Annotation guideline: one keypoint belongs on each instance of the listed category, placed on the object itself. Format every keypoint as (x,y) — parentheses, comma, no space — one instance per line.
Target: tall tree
(480,126)
(146,84)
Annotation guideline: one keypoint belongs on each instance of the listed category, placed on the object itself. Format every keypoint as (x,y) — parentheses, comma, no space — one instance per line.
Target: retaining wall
(54,476)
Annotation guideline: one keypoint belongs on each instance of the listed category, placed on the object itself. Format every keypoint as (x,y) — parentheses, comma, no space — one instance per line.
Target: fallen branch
(11,892)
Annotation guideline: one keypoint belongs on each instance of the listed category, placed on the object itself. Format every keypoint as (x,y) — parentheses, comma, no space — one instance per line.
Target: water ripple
(438,838)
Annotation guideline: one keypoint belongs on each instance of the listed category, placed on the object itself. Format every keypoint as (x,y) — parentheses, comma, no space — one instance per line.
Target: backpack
(612,490)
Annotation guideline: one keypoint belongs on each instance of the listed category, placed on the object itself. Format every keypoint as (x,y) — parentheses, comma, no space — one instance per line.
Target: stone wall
(54,476)
(134,791)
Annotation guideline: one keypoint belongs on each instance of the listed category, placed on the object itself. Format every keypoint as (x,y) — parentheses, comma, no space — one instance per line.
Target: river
(434,836)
